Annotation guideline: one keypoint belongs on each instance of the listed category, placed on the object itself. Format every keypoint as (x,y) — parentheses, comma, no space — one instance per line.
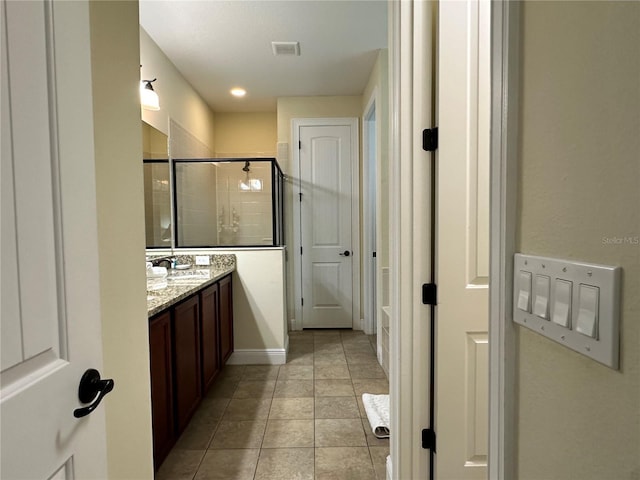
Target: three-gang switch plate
(576,304)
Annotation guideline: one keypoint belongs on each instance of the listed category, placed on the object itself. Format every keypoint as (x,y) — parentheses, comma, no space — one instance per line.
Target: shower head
(246,167)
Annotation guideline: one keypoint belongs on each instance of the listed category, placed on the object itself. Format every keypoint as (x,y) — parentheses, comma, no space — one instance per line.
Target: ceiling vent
(285,48)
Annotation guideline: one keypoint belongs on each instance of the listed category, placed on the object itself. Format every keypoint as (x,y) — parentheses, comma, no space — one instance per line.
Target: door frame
(411,80)
(505,23)
(352,123)
(370,199)
(407,363)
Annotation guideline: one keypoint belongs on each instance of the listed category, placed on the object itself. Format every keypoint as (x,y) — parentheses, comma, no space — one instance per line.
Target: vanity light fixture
(238,92)
(148,97)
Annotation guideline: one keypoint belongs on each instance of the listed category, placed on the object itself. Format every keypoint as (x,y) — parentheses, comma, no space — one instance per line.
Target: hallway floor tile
(303,420)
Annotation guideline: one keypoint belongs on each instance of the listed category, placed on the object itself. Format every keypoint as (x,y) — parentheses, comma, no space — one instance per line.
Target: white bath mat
(377,408)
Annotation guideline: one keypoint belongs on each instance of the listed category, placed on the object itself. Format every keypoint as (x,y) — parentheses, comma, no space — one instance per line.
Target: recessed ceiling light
(238,92)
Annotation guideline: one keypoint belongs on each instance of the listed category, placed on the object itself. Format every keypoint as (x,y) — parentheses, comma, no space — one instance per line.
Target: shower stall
(228,202)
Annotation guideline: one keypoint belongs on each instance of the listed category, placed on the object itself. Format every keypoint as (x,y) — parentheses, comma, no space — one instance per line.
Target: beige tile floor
(303,420)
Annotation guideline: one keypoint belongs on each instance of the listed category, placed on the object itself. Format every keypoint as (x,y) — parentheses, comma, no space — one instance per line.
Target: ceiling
(221,44)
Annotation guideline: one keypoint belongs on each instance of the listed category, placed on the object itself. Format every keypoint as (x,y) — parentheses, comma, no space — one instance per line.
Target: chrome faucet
(163,262)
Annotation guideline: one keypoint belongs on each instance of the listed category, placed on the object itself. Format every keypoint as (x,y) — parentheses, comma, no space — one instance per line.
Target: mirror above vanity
(157,193)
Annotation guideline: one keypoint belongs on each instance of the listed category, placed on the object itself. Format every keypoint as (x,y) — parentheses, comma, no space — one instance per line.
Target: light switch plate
(604,348)
(203,260)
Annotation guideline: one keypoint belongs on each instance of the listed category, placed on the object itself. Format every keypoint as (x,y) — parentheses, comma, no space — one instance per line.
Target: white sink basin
(188,276)
(158,284)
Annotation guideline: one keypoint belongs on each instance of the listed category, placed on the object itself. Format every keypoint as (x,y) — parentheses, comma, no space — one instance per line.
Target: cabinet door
(210,349)
(161,387)
(188,377)
(226,318)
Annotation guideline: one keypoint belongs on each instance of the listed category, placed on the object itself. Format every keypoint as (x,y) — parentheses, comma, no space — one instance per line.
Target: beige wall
(246,134)
(580,184)
(312,107)
(305,107)
(120,204)
(154,143)
(259,308)
(178,100)
(258,300)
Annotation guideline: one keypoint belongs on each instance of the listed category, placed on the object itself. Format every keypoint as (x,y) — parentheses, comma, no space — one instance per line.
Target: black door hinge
(300,196)
(299,145)
(430,139)
(300,250)
(429,439)
(302,301)
(429,294)
(374,254)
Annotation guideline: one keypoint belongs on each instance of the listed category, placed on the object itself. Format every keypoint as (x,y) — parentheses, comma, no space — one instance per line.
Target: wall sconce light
(148,97)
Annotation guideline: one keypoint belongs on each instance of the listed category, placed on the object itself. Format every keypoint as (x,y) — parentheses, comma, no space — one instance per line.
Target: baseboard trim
(269,356)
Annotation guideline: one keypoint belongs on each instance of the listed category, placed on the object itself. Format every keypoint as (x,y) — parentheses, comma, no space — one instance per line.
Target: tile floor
(303,420)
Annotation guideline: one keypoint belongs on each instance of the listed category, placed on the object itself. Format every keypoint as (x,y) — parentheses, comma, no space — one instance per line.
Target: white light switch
(573,303)
(203,260)
(524,291)
(562,303)
(541,302)
(587,323)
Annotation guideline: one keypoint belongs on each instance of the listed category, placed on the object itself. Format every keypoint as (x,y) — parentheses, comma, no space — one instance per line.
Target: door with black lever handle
(90,386)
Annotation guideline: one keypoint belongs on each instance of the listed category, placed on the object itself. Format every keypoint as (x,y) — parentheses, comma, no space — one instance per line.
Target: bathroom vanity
(190,338)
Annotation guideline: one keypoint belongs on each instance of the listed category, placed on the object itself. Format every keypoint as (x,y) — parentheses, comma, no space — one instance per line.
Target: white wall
(579,190)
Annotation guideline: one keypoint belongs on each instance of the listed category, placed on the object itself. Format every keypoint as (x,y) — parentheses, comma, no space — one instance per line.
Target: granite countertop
(184,282)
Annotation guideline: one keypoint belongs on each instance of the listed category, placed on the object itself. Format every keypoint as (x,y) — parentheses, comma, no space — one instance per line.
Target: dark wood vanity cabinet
(226,318)
(211,361)
(188,359)
(160,348)
(188,343)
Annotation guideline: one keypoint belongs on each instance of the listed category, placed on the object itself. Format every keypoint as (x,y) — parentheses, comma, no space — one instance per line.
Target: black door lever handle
(90,386)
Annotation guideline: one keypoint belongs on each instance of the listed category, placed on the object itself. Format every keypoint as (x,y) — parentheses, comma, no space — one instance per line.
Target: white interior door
(50,321)
(326,159)
(462,262)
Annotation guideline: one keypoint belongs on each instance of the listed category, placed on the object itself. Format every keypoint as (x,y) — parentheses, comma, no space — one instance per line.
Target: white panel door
(326,222)
(462,260)
(50,323)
